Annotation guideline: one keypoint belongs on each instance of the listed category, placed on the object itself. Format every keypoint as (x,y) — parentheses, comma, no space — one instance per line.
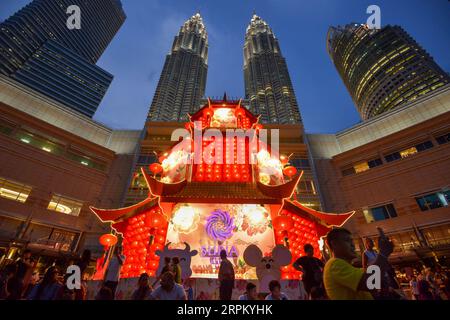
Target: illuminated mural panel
(209,228)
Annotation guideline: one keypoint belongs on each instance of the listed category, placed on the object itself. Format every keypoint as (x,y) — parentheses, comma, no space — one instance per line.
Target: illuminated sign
(210,228)
(213,252)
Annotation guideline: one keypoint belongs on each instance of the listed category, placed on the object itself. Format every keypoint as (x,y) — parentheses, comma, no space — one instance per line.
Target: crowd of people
(342,277)
(429,285)
(20,280)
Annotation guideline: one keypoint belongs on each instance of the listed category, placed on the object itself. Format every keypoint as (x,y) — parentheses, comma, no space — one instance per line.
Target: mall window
(306,186)
(404,241)
(443,139)
(348,171)
(375,163)
(86,161)
(384,212)
(61,240)
(424,146)
(6,127)
(393,156)
(361,167)
(14,191)
(65,205)
(53,146)
(409,151)
(433,200)
(39,142)
(439,235)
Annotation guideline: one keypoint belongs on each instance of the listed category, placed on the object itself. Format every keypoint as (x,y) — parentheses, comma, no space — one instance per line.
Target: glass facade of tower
(382,69)
(39,50)
(183,78)
(268,85)
(270,94)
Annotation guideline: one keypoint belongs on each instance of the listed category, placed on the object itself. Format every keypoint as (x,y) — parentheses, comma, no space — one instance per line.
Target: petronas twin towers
(268,86)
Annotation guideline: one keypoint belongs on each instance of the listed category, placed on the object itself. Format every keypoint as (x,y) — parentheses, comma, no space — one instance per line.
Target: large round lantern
(108,240)
(155,220)
(155,168)
(283,223)
(290,171)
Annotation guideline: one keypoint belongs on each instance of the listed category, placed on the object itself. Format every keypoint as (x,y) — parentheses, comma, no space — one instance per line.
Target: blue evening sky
(136,55)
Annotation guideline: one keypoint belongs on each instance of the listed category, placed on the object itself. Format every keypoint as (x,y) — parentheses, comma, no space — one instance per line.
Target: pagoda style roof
(223,104)
(280,191)
(213,192)
(326,221)
(116,215)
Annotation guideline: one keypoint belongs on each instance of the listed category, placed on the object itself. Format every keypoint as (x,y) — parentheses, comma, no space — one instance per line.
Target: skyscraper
(267,82)
(382,69)
(39,50)
(183,78)
(270,93)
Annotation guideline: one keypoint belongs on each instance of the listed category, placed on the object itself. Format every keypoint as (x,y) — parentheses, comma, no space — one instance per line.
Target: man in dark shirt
(226,277)
(24,270)
(24,264)
(312,269)
(12,289)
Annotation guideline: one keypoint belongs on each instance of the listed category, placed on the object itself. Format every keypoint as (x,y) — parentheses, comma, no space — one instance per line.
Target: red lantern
(152,265)
(160,239)
(155,168)
(290,171)
(108,240)
(283,223)
(135,244)
(187,125)
(157,246)
(155,220)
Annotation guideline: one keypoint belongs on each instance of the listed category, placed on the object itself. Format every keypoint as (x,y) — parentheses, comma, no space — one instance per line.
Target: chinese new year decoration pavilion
(209,206)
